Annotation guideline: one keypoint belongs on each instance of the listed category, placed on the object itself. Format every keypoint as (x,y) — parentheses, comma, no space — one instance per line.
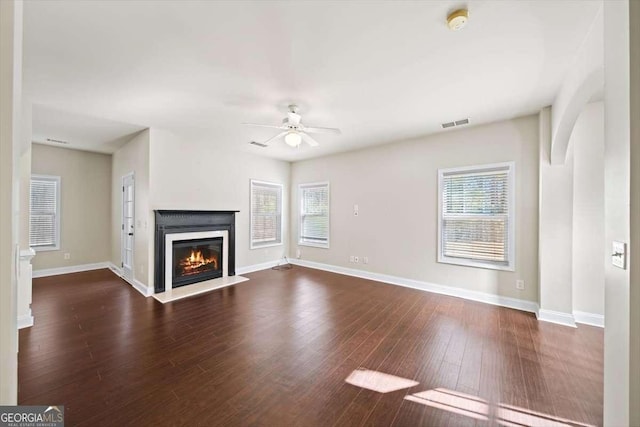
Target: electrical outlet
(356,259)
(520,285)
(352,258)
(365,260)
(67,255)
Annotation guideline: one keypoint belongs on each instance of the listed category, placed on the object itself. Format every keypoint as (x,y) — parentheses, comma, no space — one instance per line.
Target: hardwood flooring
(276,351)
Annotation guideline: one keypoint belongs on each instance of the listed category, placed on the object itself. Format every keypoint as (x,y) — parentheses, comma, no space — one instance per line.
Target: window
(314,215)
(44,213)
(476,224)
(266,214)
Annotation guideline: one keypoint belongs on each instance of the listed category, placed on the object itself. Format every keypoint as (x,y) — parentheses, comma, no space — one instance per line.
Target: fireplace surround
(208,234)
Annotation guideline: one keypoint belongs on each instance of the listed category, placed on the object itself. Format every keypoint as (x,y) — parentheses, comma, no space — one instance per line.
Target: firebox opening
(196,260)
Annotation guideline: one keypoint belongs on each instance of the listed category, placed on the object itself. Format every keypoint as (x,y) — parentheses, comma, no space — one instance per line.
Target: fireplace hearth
(193,246)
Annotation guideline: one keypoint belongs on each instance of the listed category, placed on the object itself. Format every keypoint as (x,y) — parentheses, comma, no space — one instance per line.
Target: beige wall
(395,187)
(133,157)
(195,174)
(587,140)
(85,200)
(10,72)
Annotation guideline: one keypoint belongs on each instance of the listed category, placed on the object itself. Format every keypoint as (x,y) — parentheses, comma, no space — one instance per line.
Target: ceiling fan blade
(294,118)
(273,138)
(265,126)
(306,138)
(322,130)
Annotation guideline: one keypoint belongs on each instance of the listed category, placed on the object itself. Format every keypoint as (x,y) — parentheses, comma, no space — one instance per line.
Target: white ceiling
(79,131)
(380,71)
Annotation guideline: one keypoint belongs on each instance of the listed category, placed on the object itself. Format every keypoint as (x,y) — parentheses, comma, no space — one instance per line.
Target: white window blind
(44,215)
(314,215)
(476,216)
(266,214)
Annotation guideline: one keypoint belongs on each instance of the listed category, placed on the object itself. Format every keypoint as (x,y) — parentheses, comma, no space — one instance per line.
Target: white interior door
(128,226)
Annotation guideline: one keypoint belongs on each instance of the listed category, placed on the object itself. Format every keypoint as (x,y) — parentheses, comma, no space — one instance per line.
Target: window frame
(510,167)
(301,188)
(58,233)
(254,244)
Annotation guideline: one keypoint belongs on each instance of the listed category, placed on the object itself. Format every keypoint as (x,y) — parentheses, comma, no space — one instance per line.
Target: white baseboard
(257,267)
(493,299)
(589,318)
(117,270)
(135,283)
(141,287)
(71,269)
(25,321)
(558,317)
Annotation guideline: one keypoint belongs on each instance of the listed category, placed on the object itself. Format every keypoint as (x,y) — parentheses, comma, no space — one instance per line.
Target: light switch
(619,254)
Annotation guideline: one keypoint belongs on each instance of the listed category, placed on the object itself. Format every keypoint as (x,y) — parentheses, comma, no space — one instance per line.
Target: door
(128,226)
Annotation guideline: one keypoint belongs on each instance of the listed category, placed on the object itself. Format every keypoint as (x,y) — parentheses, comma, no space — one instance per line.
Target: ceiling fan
(293,131)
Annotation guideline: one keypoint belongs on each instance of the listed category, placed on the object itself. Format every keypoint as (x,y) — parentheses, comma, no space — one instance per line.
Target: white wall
(198,175)
(587,140)
(25,271)
(583,79)
(555,231)
(25,192)
(10,86)
(634,251)
(622,332)
(395,187)
(133,157)
(85,205)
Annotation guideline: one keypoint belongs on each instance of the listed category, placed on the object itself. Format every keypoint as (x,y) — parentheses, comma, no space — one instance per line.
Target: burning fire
(196,260)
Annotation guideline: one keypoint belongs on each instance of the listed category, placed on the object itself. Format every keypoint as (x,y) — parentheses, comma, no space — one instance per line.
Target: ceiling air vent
(57,141)
(259,144)
(456,123)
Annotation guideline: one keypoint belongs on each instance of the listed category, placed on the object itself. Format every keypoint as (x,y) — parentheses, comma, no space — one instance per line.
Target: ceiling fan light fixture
(293,138)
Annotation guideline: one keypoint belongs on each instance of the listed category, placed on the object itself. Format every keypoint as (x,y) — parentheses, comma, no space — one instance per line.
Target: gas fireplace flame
(196,260)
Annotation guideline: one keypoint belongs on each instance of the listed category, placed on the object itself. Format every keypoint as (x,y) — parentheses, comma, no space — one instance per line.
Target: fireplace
(196,260)
(192,247)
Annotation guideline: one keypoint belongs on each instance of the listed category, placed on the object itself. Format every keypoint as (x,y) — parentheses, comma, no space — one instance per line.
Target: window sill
(45,248)
(314,245)
(474,263)
(269,245)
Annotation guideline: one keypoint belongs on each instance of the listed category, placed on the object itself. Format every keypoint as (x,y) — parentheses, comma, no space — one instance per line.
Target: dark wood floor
(276,350)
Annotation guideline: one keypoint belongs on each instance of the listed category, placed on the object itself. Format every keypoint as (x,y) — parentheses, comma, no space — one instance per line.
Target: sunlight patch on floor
(459,403)
(480,409)
(378,381)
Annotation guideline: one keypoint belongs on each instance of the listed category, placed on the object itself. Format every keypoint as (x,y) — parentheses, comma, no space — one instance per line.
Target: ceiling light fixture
(458,19)
(293,138)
